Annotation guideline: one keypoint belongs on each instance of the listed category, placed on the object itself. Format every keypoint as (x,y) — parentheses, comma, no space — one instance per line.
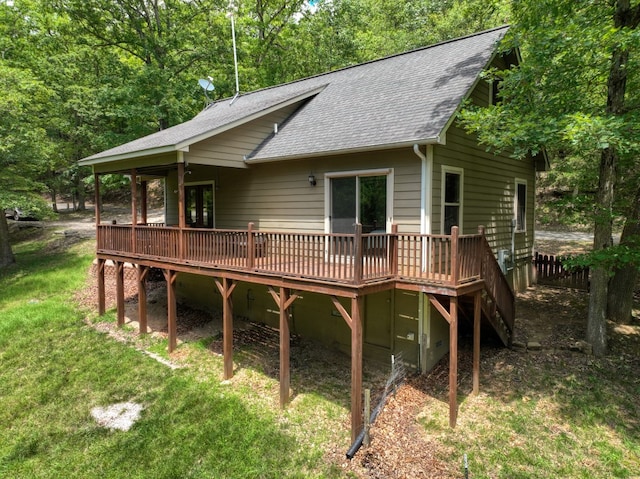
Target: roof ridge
(368,62)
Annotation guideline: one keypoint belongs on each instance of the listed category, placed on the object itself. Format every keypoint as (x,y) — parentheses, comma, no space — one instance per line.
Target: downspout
(423,188)
(426,177)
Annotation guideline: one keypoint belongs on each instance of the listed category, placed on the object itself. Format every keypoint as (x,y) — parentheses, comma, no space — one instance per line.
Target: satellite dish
(207,85)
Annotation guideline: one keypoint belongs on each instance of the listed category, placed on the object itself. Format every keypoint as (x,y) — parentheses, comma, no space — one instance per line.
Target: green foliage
(610,259)
(556,99)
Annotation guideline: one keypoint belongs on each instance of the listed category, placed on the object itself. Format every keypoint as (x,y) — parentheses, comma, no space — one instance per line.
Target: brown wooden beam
(172,329)
(455,265)
(134,207)
(285,348)
(357,255)
(226,289)
(143,202)
(453,362)
(142,297)
(441,309)
(181,213)
(284,299)
(96,201)
(134,196)
(343,312)
(477,309)
(101,288)
(357,309)
(119,266)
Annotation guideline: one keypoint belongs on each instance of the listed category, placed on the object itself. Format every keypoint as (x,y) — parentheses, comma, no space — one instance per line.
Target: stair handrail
(496,284)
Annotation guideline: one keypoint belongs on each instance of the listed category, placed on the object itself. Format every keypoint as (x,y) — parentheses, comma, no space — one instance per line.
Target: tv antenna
(232,8)
(207,85)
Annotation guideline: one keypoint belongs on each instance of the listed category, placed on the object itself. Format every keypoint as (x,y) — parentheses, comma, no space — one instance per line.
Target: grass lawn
(55,369)
(552,413)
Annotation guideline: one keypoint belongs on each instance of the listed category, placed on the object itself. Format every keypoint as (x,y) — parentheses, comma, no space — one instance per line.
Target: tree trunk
(54,200)
(616,87)
(6,254)
(597,317)
(622,284)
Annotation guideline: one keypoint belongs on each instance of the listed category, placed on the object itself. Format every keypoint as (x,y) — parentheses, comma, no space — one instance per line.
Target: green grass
(573,419)
(55,369)
(537,416)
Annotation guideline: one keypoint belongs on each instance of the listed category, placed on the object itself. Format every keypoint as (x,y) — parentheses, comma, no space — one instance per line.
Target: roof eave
(90,161)
(437,140)
(186,143)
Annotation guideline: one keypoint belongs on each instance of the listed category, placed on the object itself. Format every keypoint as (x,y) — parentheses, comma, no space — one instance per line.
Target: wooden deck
(354,259)
(337,265)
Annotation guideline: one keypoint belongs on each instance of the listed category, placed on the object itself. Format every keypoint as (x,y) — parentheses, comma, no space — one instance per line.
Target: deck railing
(348,258)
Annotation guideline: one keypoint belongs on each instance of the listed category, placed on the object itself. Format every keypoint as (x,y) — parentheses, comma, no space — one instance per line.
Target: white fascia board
(247,119)
(131,155)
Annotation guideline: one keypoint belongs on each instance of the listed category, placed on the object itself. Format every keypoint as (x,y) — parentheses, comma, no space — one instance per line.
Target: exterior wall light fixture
(312,179)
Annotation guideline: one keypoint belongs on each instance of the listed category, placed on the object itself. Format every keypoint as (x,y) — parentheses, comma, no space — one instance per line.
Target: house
(348,206)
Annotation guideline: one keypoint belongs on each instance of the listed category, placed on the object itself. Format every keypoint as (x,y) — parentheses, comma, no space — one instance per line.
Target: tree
(569,95)
(23,142)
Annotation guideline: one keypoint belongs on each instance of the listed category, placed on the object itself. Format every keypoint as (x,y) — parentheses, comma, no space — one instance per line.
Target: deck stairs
(498,301)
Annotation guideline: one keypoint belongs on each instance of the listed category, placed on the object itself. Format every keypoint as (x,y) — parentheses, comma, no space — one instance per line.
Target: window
(199,205)
(452,182)
(495,93)
(359,197)
(520,205)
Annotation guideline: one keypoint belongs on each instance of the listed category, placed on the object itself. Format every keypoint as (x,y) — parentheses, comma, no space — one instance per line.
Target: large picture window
(452,194)
(359,197)
(520,205)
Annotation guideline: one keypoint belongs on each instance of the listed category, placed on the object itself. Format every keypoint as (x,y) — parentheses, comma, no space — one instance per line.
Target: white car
(17,213)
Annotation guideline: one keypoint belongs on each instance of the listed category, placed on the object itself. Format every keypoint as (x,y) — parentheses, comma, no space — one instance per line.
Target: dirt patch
(401,447)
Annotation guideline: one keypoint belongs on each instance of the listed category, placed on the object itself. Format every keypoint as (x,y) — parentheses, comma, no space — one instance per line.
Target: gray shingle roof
(401,99)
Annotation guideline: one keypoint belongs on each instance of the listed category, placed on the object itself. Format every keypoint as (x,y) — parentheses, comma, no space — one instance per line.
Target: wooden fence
(551,272)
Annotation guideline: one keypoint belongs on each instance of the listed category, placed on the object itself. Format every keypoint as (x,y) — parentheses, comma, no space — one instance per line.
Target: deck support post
(354,320)
(453,361)
(226,288)
(477,305)
(172,329)
(142,297)
(284,299)
(285,348)
(119,265)
(101,289)
(357,308)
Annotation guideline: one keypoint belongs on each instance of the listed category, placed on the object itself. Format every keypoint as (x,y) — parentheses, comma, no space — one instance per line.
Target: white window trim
(459,171)
(520,181)
(388,172)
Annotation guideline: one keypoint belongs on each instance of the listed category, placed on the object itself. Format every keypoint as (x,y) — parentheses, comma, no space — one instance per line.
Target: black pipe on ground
(355,446)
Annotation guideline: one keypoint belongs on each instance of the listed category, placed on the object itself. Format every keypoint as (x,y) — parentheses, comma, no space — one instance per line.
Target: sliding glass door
(359,198)
(199,205)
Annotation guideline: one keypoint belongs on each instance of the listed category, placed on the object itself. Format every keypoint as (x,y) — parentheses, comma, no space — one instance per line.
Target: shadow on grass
(314,368)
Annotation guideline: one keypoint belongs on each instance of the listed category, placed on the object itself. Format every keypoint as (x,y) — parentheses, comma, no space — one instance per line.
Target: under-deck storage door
(378,325)
(406,328)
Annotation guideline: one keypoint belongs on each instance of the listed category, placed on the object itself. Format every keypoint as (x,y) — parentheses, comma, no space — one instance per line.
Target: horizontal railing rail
(349,258)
